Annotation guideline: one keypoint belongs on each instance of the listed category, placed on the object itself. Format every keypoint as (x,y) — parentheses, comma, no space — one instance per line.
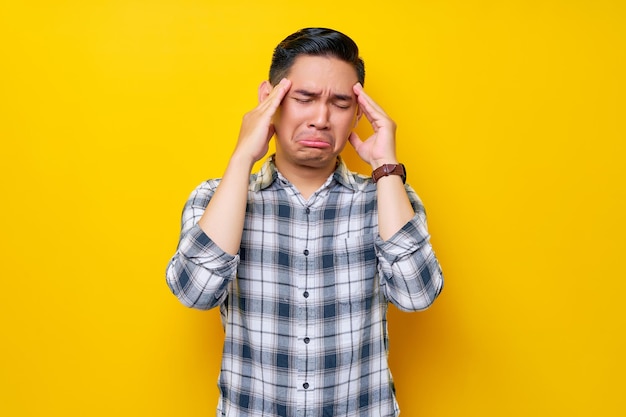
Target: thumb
(355,141)
(359,146)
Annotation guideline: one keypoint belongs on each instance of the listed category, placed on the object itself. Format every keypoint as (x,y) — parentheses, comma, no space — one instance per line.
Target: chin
(315,159)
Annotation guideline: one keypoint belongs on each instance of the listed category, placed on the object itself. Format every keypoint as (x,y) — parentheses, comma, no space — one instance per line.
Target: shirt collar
(268,174)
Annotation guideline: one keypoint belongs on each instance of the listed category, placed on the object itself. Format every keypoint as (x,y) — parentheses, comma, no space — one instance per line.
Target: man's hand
(257,128)
(380,148)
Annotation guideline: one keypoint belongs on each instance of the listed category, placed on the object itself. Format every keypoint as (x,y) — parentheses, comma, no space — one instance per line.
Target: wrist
(242,161)
(380,162)
(386,170)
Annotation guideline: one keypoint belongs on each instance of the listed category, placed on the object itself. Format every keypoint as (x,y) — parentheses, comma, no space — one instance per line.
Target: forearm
(394,206)
(224,216)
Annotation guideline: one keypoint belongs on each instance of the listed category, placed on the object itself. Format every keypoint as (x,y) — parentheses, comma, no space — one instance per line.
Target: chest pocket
(355,269)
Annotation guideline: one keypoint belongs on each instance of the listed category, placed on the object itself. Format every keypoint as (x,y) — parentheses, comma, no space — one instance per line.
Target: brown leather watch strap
(389,169)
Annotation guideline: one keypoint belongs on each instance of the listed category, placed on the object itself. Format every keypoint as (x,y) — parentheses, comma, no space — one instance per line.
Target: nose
(320,116)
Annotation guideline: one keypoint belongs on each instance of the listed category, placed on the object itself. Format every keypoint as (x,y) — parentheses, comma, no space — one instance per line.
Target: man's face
(318,113)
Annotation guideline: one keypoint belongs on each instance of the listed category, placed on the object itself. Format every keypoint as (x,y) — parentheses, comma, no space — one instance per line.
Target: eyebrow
(340,97)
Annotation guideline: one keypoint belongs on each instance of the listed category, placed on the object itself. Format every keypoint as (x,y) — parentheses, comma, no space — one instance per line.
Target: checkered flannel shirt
(304,302)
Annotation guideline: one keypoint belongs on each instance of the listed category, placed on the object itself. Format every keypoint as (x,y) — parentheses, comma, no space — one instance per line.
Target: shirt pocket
(355,269)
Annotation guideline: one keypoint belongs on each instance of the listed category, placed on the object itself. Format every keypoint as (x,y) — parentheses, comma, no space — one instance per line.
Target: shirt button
(306,294)
(307,340)
(306,252)
(305,385)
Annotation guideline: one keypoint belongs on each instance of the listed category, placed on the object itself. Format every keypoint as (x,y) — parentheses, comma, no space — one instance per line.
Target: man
(304,256)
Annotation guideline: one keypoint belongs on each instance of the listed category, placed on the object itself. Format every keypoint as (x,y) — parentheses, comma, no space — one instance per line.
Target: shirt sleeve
(410,274)
(200,271)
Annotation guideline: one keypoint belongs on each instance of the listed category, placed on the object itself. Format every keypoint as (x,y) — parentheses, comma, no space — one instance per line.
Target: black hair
(315,42)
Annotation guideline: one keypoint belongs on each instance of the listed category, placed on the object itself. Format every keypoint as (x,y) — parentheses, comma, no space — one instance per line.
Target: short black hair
(315,42)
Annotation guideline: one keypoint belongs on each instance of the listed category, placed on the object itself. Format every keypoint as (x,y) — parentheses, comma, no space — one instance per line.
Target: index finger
(369,106)
(275,97)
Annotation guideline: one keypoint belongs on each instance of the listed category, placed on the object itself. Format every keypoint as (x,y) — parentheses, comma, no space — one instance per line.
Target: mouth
(314,142)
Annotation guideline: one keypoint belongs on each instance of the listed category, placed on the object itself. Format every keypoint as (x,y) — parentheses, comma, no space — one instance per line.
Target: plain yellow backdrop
(510,122)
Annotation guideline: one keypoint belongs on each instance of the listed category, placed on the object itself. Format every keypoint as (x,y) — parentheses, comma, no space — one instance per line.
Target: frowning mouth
(313,141)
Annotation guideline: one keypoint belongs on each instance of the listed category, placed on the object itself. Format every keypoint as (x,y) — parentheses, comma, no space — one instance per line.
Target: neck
(307,179)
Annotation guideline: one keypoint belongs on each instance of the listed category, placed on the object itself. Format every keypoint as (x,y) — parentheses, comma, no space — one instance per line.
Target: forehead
(322,73)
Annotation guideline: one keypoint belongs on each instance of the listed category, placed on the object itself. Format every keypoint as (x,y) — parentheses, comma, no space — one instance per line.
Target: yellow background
(511,124)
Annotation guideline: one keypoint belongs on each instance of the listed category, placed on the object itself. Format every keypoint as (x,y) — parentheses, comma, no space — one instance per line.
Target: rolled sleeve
(410,274)
(200,271)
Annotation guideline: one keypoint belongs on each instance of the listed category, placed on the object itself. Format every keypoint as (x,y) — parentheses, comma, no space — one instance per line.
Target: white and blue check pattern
(304,302)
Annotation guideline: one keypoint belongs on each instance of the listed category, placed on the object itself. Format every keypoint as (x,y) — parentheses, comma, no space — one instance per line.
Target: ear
(264,90)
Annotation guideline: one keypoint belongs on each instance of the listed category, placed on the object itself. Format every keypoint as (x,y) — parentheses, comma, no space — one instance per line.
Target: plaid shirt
(304,302)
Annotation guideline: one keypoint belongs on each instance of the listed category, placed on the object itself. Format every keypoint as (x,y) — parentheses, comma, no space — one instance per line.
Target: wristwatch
(389,169)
